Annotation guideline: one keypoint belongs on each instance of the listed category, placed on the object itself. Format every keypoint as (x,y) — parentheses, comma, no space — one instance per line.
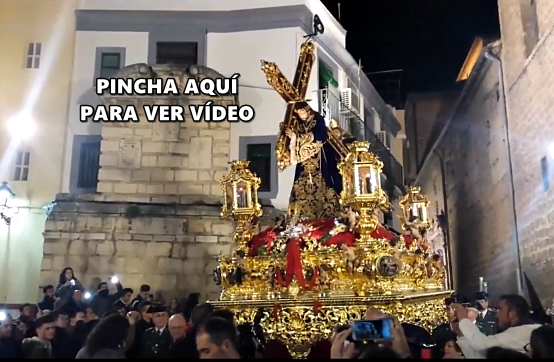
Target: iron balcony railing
(331,108)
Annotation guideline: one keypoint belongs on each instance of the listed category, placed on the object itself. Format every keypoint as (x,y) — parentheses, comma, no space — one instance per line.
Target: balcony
(349,120)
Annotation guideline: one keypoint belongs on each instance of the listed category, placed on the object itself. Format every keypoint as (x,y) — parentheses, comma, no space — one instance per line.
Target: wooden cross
(292,93)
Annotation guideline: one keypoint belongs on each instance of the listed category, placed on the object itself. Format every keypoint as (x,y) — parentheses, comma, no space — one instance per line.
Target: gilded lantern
(240,190)
(361,172)
(415,207)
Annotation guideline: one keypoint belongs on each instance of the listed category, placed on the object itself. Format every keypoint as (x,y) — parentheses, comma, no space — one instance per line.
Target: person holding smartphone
(67,285)
(344,347)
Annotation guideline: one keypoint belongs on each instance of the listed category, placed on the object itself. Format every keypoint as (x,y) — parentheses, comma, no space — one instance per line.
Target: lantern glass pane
(422,212)
(242,195)
(377,177)
(412,213)
(366,180)
(229,197)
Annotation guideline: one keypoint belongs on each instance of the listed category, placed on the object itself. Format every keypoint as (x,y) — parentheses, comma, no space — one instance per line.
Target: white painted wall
(280,46)
(82,91)
(332,26)
(43,94)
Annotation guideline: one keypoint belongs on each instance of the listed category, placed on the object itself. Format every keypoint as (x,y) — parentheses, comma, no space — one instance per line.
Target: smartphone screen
(370,330)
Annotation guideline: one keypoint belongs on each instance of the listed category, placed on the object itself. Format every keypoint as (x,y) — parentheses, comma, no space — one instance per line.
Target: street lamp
(21,127)
(6,194)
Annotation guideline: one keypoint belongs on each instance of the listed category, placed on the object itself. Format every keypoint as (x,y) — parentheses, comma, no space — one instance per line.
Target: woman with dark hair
(192,301)
(174,306)
(540,344)
(67,284)
(452,350)
(107,339)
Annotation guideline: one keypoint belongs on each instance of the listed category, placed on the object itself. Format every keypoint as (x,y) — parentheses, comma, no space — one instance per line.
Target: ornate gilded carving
(301,322)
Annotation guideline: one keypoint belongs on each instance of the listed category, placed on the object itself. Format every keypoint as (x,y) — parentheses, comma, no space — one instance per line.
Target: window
(182,53)
(85,163)
(33,55)
(110,63)
(260,151)
(545,174)
(326,76)
(530,22)
(89,164)
(22,162)
(259,156)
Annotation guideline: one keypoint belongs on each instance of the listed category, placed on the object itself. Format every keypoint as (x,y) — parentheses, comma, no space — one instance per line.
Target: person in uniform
(487,315)
(157,339)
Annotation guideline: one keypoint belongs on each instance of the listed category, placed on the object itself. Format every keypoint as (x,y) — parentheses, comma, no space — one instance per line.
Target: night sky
(428,39)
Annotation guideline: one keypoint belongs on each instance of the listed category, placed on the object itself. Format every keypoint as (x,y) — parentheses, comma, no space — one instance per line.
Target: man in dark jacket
(124,301)
(178,348)
(141,297)
(103,301)
(156,340)
(141,326)
(48,299)
(10,345)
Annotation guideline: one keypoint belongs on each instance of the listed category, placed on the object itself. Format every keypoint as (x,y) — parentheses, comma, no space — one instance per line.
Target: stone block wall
(155,218)
(164,162)
(172,248)
(530,85)
(425,116)
(475,149)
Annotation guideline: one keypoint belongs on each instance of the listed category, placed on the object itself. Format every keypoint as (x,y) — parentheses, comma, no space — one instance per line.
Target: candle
(368,188)
(481,284)
(485,287)
(241,198)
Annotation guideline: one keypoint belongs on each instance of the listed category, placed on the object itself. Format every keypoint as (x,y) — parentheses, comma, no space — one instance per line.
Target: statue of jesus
(317,181)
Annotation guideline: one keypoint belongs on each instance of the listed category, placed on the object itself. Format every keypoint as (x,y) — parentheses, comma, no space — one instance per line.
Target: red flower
(270,238)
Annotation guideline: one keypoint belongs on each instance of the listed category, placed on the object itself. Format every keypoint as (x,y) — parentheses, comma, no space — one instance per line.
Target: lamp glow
(114,280)
(87,295)
(3,316)
(21,127)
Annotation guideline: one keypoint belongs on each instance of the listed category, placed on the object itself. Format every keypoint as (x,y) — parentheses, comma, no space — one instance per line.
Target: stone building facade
(467,176)
(528,63)
(155,218)
(425,116)
(498,154)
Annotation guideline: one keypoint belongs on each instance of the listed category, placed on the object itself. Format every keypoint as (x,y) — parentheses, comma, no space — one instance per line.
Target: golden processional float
(330,285)
(305,277)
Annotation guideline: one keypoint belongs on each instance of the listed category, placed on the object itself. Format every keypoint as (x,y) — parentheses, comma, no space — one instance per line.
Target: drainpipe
(504,114)
(448,250)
